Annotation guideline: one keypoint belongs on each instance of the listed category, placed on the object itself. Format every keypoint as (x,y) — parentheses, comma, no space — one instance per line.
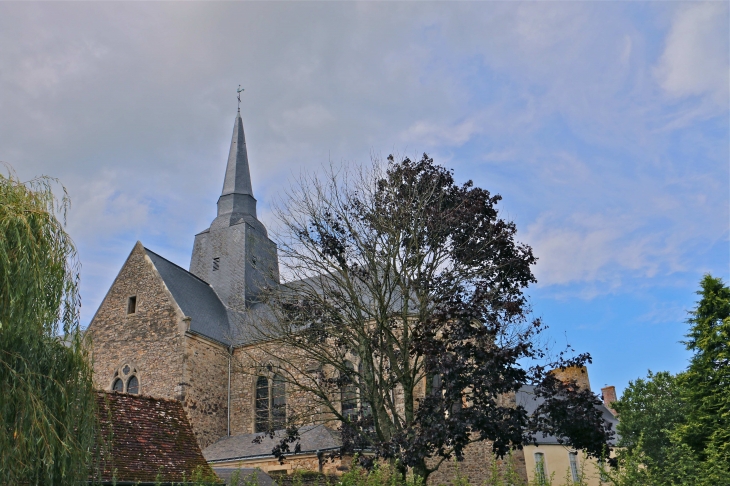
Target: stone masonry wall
(252,361)
(476,466)
(150,339)
(204,391)
(153,340)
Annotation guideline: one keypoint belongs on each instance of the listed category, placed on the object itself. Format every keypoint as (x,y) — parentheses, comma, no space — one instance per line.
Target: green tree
(675,430)
(405,320)
(706,383)
(648,410)
(47,400)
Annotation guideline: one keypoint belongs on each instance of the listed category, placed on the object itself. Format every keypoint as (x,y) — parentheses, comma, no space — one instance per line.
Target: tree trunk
(420,470)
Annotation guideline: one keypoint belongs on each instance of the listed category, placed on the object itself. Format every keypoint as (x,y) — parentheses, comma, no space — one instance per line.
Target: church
(167,332)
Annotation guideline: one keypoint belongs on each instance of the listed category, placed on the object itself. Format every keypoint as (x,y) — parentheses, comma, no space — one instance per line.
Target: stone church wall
(150,339)
(204,389)
(260,359)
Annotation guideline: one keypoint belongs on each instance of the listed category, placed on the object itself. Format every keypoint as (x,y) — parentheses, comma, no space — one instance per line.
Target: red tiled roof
(151,439)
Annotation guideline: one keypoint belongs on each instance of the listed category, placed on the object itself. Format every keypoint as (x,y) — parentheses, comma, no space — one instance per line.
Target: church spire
(237,203)
(238,175)
(234,255)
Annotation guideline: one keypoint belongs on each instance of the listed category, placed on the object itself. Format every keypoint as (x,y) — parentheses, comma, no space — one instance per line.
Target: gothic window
(278,403)
(366,409)
(270,403)
(262,404)
(132,305)
(126,379)
(436,384)
(349,392)
(133,385)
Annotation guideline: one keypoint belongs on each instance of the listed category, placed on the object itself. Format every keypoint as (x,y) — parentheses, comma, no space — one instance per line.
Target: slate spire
(237,202)
(238,176)
(235,255)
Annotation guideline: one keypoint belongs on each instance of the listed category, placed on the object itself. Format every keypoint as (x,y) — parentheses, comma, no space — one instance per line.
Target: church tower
(235,255)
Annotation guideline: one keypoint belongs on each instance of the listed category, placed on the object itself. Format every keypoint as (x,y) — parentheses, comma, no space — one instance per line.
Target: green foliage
(502,472)
(706,383)
(676,429)
(47,418)
(649,408)
(382,474)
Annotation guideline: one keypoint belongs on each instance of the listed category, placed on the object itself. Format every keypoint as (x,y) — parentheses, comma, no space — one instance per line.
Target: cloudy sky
(603,125)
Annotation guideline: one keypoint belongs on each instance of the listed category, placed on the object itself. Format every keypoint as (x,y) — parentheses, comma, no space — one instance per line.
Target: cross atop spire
(239,91)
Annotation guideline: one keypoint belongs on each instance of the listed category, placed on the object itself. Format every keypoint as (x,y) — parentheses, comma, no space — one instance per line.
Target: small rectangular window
(132,305)
(216,263)
(574,466)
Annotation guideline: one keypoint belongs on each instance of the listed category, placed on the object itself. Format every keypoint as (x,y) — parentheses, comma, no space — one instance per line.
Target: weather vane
(239,91)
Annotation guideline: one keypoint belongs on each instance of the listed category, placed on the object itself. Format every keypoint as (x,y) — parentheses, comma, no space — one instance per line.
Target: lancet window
(349,392)
(270,403)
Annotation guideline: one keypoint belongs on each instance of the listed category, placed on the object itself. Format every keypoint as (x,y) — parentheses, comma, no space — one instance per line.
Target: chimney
(573,373)
(609,396)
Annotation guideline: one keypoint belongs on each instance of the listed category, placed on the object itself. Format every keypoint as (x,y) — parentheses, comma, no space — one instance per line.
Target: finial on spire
(239,91)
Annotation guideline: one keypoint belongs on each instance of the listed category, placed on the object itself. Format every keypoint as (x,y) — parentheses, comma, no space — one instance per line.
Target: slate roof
(197,300)
(246,476)
(209,317)
(313,438)
(527,398)
(148,437)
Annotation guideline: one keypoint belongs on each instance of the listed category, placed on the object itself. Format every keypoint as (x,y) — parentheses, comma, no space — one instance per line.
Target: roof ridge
(178,266)
(138,395)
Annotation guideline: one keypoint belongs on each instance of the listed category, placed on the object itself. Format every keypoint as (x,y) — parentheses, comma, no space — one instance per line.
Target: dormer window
(132,305)
(216,263)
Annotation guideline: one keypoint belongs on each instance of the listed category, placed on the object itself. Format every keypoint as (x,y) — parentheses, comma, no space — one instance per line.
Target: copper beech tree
(404,320)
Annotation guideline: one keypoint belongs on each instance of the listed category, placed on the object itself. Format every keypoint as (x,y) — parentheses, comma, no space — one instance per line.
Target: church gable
(139,325)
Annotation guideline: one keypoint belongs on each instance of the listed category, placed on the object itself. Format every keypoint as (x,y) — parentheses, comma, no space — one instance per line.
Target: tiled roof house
(146,440)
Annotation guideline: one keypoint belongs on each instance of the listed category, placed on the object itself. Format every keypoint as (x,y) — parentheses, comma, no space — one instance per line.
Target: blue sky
(604,126)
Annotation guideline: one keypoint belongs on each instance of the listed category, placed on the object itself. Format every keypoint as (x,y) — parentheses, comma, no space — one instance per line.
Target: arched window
(366,408)
(270,403)
(349,392)
(540,469)
(126,379)
(278,403)
(262,404)
(573,458)
(133,385)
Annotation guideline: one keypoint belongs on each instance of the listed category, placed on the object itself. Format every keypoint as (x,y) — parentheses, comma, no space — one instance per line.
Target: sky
(605,126)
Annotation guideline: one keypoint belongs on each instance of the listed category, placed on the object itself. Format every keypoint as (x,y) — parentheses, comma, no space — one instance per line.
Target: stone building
(166,332)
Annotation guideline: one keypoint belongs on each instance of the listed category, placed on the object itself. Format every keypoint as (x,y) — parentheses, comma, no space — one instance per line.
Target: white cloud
(132,105)
(102,209)
(424,133)
(695,58)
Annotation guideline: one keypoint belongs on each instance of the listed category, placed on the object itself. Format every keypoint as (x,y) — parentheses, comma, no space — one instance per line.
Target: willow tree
(404,320)
(46,400)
